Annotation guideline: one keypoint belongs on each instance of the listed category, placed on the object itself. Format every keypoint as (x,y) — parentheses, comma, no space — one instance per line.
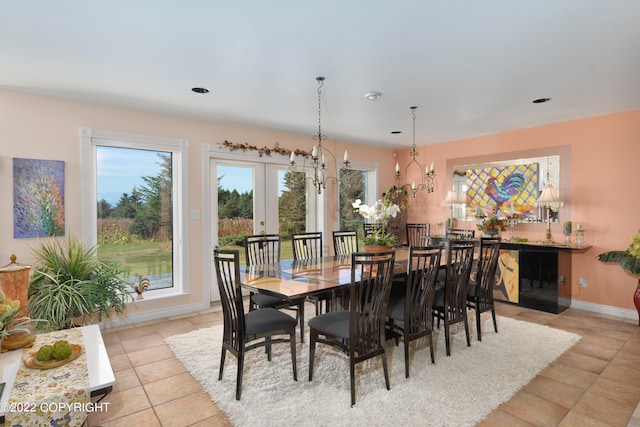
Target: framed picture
(38,198)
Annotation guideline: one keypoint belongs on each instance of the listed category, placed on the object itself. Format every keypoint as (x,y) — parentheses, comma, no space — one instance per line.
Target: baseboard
(130,319)
(600,308)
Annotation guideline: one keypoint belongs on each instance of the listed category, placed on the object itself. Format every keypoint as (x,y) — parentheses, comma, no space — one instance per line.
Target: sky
(121,169)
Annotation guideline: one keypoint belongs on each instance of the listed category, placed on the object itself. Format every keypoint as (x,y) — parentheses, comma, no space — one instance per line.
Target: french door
(254,197)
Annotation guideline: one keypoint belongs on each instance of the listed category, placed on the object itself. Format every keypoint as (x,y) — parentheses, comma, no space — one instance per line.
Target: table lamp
(550,197)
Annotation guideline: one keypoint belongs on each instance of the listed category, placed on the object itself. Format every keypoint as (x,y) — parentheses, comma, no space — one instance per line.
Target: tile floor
(596,383)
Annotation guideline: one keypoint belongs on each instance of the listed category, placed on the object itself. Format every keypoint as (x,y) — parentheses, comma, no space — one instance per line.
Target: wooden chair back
(262,249)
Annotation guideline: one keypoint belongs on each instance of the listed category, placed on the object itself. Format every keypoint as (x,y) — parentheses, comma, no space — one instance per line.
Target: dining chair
(418,234)
(242,330)
(480,293)
(261,249)
(359,330)
(369,228)
(410,315)
(264,249)
(308,246)
(345,242)
(460,234)
(450,302)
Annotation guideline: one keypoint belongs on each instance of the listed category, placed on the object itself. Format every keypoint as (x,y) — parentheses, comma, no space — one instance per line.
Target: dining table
(295,279)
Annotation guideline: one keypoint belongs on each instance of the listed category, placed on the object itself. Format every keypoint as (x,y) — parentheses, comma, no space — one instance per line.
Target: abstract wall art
(38,198)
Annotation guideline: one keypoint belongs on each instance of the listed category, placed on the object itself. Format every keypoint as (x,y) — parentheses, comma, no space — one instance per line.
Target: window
(135,212)
(355,183)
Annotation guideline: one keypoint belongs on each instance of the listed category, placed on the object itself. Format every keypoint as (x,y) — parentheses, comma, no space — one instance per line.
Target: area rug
(459,390)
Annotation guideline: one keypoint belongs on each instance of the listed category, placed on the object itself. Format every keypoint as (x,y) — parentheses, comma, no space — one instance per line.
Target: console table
(536,275)
(101,377)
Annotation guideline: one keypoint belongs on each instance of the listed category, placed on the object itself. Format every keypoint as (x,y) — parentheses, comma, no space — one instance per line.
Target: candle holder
(512,227)
(580,238)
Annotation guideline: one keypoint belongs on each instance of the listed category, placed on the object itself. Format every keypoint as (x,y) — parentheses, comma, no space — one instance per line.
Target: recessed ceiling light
(395,132)
(541,100)
(200,90)
(373,96)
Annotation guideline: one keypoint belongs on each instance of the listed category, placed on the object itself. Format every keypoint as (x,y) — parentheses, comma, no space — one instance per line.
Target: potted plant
(379,214)
(629,260)
(70,283)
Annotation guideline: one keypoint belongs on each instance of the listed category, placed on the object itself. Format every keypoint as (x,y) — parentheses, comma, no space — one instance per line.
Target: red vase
(636,300)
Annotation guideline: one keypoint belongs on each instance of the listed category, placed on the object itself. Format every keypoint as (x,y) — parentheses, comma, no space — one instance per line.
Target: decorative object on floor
(70,284)
(427,174)
(38,198)
(629,260)
(320,155)
(378,214)
(506,358)
(140,287)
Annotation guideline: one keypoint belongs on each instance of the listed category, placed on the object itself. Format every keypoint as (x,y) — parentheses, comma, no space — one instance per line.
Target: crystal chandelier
(319,154)
(427,176)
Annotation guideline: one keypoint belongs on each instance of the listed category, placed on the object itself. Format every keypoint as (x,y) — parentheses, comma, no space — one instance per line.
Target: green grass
(143,258)
(148,258)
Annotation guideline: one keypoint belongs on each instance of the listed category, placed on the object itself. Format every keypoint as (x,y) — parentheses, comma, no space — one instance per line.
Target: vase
(491,233)
(636,300)
(377,248)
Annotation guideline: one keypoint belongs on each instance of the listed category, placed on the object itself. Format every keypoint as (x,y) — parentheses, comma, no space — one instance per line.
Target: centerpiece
(378,214)
(492,225)
(629,260)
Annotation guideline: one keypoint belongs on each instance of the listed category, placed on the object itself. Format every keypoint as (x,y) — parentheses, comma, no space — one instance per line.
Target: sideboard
(536,275)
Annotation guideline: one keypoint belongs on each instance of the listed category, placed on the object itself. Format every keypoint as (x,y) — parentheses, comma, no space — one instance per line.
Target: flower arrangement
(492,224)
(379,213)
(628,259)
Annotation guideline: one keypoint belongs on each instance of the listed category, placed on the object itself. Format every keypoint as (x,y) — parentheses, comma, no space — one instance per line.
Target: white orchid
(379,213)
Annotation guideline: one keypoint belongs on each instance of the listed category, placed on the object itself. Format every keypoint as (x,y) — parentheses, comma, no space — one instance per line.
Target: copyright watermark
(54,407)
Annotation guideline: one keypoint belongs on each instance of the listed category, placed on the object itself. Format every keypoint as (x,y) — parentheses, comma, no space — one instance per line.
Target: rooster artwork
(140,287)
(502,193)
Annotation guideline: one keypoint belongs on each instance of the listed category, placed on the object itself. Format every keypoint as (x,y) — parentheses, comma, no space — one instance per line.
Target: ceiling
(471,67)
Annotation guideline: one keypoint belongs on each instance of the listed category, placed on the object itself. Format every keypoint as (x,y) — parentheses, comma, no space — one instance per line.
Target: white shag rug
(459,390)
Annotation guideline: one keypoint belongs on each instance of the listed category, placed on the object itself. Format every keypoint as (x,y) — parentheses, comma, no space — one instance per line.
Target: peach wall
(604,153)
(40,127)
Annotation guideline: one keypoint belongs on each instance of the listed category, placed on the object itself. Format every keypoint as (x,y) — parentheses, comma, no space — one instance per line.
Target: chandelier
(319,154)
(427,176)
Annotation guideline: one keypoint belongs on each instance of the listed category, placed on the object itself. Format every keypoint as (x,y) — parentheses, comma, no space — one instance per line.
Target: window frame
(91,138)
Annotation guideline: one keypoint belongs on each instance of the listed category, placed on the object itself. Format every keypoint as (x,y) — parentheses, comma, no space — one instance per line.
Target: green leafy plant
(629,259)
(69,283)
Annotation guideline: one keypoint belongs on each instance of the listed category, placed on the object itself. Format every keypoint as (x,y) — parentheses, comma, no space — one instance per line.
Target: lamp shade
(451,199)
(550,196)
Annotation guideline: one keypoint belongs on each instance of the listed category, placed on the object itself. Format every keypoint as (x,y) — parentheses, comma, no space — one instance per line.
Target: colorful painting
(38,198)
(502,191)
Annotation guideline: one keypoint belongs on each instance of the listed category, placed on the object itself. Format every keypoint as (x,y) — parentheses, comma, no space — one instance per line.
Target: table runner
(58,396)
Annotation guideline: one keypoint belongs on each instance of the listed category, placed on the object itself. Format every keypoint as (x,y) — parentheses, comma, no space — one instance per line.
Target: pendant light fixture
(320,155)
(427,175)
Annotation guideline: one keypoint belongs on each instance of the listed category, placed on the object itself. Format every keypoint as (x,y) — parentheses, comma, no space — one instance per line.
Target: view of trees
(351,188)
(148,207)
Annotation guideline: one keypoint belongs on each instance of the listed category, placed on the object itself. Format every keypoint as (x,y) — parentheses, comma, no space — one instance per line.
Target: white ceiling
(472,67)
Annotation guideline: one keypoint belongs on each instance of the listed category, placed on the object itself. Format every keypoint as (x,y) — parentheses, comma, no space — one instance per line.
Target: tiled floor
(596,383)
